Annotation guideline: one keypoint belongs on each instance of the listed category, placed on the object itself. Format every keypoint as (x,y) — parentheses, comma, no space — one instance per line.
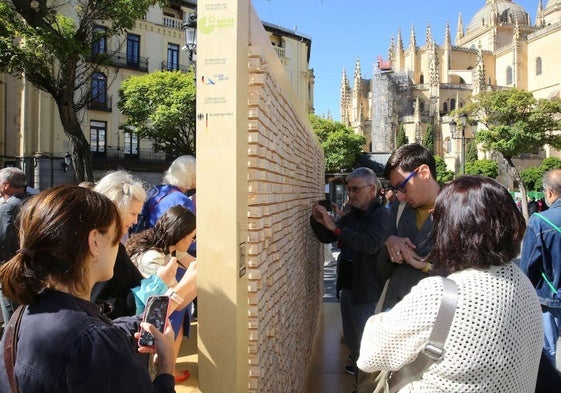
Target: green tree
(471,152)
(341,146)
(532,177)
(443,174)
(516,123)
(428,140)
(161,106)
(401,138)
(54,53)
(488,168)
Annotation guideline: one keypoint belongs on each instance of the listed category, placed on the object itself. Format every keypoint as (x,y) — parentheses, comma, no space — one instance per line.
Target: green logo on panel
(207,25)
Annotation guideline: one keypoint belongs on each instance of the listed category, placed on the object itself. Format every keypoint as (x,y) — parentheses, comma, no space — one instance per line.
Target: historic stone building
(31,134)
(420,85)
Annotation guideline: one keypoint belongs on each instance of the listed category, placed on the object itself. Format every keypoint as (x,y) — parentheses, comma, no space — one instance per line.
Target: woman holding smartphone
(164,245)
(69,238)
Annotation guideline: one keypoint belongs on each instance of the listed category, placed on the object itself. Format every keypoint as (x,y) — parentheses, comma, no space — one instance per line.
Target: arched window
(445,107)
(509,75)
(422,79)
(99,88)
(538,65)
(452,104)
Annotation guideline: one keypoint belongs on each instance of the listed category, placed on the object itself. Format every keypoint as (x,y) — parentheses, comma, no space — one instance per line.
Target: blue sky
(344,30)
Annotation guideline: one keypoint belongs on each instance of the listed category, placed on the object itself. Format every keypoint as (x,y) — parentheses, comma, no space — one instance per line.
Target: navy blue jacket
(66,345)
(541,253)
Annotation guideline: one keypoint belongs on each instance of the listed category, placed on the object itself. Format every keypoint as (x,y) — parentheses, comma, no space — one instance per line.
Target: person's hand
(337,211)
(401,249)
(321,215)
(164,347)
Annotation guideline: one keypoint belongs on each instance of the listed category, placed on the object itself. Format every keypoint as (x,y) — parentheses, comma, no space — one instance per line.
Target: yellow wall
(259,169)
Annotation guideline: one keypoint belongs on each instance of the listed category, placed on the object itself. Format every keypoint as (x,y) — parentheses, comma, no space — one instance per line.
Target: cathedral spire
(412,40)
(459,29)
(447,37)
(428,40)
(345,98)
(540,20)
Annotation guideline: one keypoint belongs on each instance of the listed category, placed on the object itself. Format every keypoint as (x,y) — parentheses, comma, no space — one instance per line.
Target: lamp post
(190,28)
(460,135)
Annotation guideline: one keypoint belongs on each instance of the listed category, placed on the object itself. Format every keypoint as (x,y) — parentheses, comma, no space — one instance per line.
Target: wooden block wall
(284,259)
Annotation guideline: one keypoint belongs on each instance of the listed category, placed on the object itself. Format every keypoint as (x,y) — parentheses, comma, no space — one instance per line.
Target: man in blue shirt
(541,259)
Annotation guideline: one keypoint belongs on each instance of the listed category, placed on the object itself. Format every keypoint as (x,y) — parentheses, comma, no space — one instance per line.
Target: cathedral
(418,86)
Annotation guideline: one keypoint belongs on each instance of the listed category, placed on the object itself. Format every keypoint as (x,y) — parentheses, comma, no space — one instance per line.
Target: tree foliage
(471,152)
(53,50)
(161,106)
(443,174)
(428,140)
(533,177)
(488,168)
(516,123)
(341,146)
(401,138)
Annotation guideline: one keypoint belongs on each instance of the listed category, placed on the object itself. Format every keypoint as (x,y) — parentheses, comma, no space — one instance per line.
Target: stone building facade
(417,85)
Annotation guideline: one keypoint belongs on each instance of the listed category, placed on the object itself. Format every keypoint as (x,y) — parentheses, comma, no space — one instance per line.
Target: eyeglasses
(401,186)
(355,189)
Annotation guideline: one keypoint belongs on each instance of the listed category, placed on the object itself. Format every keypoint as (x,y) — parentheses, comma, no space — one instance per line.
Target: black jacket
(364,232)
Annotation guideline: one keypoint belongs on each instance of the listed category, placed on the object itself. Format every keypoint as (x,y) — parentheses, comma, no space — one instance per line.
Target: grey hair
(365,173)
(122,188)
(15,177)
(552,180)
(181,173)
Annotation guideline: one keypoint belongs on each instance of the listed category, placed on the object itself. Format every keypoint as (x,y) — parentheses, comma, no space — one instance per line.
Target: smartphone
(156,313)
(325,203)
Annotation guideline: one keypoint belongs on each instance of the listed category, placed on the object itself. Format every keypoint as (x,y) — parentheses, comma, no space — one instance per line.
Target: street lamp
(190,28)
(460,135)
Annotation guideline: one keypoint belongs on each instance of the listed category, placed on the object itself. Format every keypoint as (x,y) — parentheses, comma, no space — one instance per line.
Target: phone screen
(156,313)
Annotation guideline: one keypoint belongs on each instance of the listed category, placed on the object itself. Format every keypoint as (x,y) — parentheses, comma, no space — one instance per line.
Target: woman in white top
(495,340)
(172,235)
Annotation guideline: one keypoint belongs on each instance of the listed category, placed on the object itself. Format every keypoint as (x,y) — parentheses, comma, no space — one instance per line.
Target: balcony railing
(143,159)
(281,52)
(172,22)
(174,67)
(101,105)
(120,59)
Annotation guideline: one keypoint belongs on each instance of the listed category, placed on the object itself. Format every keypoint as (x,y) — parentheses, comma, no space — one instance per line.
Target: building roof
(505,10)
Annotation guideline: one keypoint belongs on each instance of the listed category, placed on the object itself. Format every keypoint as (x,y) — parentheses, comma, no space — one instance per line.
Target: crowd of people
(83,279)
(81,261)
(506,318)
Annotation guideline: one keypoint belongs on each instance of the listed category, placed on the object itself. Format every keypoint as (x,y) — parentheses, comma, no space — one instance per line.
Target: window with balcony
(131,144)
(538,66)
(173,57)
(99,89)
(133,50)
(98,133)
(99,40)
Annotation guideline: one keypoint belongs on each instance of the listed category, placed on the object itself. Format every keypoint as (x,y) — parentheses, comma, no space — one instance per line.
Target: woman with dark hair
(151,249)
(69,239)
(495,338)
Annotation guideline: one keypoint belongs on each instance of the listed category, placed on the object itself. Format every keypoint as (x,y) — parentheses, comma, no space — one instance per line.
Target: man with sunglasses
(411,170)
(360,234)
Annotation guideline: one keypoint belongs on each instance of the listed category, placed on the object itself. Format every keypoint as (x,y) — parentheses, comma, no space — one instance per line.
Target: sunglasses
(401,186)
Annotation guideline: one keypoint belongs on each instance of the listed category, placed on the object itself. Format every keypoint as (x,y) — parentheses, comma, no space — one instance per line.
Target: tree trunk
(81,155)
(516,175)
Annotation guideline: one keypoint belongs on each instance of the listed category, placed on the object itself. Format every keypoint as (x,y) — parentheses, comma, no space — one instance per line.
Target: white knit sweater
(494,343)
